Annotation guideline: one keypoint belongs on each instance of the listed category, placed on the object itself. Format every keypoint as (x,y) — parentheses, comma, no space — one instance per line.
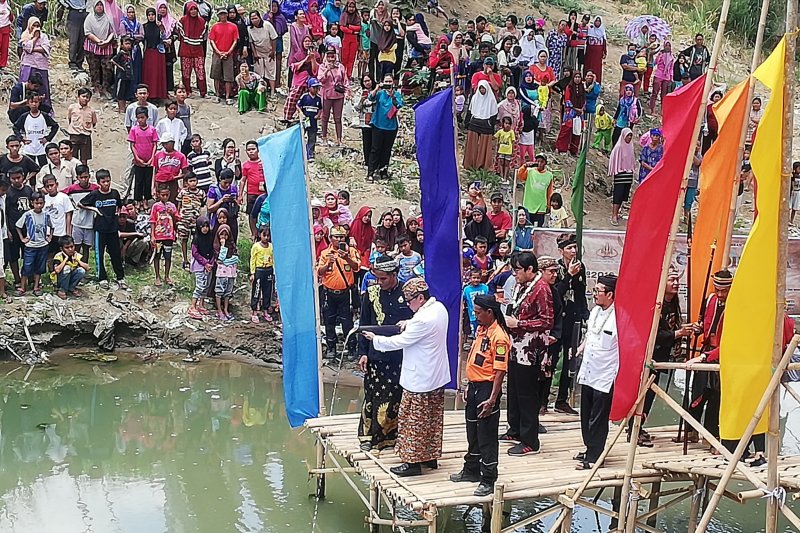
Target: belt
(336,291)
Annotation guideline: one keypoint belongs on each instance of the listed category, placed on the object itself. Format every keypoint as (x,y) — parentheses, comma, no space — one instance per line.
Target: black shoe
(365,446)
(330,354)
(432,464)
(464,477)
(564,407)
(484,489)
(406,470)
(542,429)
(522,449)
(505,437)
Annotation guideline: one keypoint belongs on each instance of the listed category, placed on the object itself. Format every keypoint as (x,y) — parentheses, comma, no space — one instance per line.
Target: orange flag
(718,173)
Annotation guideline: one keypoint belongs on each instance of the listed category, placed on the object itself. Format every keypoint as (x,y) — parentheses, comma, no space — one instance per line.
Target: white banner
(602,252)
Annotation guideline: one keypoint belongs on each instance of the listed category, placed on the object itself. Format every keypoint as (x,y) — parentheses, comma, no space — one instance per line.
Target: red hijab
(363,233)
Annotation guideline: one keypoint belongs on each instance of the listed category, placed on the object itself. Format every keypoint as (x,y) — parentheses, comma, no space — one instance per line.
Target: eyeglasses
(595,290)
(552,270)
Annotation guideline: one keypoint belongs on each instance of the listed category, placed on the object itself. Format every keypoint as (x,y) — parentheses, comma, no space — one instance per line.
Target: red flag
(651,215)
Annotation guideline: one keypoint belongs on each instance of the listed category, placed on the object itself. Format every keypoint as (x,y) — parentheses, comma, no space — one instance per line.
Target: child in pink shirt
(144,140)
(163,217)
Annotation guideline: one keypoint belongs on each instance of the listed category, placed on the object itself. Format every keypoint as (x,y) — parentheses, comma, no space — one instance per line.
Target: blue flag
(282,156)
(438,182)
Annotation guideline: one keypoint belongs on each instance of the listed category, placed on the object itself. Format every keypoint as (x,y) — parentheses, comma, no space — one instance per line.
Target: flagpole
(762,25)
(774,430)
(628,510)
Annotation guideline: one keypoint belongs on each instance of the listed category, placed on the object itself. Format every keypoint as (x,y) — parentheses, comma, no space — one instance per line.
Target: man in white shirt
(599,368)
(423,375)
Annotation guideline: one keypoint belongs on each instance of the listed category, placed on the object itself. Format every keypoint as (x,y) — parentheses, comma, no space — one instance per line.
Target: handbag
(340,88)
(577,126)
(392,112)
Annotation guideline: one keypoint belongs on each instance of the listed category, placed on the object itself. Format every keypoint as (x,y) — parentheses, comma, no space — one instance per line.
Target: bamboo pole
(697,498)
(762,25)
(497,508)
(774,430)
(744,442)
(624,523)
(459,403)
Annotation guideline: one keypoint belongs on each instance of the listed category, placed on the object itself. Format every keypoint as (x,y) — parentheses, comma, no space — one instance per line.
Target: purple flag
(438,182)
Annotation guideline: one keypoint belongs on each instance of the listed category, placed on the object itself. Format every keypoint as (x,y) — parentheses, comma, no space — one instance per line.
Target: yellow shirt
(603,122)
(505,140)
(388,56)
(260,256)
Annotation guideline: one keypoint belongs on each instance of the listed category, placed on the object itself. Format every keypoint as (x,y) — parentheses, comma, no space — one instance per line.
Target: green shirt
(536,186)
(364,36)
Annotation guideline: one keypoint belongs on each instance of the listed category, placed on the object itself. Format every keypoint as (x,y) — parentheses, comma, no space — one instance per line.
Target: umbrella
(657,27)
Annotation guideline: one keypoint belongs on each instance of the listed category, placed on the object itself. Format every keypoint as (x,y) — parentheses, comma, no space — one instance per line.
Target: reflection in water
(168,447)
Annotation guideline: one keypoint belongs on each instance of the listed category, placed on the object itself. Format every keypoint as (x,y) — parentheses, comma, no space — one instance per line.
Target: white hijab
(483,106)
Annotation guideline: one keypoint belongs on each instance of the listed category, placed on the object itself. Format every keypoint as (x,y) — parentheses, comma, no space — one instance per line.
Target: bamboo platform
(550,474)
(713,466)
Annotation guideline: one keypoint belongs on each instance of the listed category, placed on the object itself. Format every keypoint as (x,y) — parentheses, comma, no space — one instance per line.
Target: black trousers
(711,403)
(595,408)
(263,283)
(366,144)
(381,150)
(568,348)
(372,65)
(483,446)
(76,36)
(759,443)
(524,403)
(110,242)
(336,310)
(615,135)
(545,384)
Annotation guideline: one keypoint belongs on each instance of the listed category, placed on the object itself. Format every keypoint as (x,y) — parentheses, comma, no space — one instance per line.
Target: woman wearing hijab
(315,21)
(164,16)
(418,37)
(281,25)
(384,126)
(113,12)
(387,231)
(628,114)
(621,164)
(596,49)
(242,50)
(480,226)
(362,232)
(191,31)
(154,65)
(350,26)
(201,266)
(332,12)
(335,85)
(458,51)
(556,46)
(378,37)
(35,57)
(412,225)
(573,103)
(651,154)
(711,126)
(479,150)
(529,46)
(441,62)
(662,75)
(99,47)
(131,27)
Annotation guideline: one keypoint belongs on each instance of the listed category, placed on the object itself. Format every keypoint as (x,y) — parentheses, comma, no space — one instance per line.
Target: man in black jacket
(571,286)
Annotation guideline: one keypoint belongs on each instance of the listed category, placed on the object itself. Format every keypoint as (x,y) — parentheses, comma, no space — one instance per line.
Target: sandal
(254,319)
(62,295)
(20,292)
(194,313)
(37,292)
(77,293)
(584,465)
(580,457)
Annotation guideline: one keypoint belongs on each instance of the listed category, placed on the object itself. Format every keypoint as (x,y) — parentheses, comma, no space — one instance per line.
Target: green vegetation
(490,181)
(330,165)
(397,189)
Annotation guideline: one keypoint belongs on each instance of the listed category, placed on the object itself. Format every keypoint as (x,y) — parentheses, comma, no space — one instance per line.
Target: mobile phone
(342,246)
(158,18)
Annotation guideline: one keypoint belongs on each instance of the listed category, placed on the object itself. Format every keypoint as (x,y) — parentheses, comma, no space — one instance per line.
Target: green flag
(578,189)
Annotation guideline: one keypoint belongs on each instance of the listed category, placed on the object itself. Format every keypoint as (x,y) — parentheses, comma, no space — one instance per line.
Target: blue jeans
(68,278)
(34,261)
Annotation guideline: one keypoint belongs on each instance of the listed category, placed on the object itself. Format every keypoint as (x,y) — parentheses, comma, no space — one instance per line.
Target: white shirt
(3,220)
(601,350)
(176,127)
(424,344)
(57,207)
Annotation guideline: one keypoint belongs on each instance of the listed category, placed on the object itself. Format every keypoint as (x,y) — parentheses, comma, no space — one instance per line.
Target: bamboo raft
(550,474)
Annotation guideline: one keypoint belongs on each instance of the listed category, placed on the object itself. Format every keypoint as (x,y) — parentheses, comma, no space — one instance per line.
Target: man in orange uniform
(486,369)
(335,269)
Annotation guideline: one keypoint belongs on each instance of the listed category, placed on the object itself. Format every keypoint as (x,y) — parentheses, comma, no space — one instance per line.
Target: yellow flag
(749,327)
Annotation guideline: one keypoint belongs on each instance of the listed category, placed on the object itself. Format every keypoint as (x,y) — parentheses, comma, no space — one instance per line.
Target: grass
(490,181)
(397,189)
(330,165)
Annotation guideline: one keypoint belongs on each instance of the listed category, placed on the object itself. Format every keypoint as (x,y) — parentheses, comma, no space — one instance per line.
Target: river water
(175,447)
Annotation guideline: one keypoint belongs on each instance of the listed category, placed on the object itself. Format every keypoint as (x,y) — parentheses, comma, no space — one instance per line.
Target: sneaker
(104,284)
(564,407)
(365,446)
(505,437)
(522,449)
(217,100)
(484,489)
(229,101)
(464,477)
(122,284)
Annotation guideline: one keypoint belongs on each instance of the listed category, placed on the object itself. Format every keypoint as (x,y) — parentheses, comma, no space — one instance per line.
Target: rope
(778,494)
